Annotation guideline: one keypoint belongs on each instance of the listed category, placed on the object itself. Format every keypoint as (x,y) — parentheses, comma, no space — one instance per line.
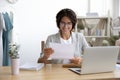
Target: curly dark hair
(68,13)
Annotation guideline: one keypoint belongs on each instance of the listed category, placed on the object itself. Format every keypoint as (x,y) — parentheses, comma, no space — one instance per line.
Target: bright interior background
(34,20)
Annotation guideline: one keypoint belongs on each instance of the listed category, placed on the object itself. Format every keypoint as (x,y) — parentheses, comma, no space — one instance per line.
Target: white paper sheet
(62,51)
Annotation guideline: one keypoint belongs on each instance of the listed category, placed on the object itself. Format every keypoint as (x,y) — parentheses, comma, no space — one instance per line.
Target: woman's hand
(76,60)
(48,52)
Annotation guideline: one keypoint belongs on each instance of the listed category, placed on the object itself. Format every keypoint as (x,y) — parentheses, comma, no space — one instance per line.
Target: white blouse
(69,41)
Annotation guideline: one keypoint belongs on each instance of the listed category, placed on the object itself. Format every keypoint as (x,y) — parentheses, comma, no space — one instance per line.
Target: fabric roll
(9,27)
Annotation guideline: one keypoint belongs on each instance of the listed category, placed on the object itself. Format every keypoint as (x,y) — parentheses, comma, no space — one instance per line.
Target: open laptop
(98,59)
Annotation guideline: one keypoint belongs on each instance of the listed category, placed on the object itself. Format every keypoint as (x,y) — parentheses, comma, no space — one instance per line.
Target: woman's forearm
(43,60)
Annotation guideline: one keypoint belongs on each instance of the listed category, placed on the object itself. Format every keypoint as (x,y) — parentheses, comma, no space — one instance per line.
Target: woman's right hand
(48,52)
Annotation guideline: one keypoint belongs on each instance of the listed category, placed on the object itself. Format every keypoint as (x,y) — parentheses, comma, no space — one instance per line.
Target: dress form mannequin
(117,43)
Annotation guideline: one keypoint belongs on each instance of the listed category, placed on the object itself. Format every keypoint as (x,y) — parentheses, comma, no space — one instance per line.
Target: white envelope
(62,51)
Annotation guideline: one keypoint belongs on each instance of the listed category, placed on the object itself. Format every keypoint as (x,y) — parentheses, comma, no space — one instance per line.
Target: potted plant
(13,51)
(112,40)
(14,56)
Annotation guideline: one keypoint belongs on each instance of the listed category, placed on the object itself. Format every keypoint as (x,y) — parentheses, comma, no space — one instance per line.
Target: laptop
(98,59)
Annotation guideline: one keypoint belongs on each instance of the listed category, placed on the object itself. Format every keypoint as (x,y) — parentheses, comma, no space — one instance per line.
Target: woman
(66,20)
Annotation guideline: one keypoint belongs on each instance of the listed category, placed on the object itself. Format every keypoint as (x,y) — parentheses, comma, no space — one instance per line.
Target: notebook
(32,66)
(98,59)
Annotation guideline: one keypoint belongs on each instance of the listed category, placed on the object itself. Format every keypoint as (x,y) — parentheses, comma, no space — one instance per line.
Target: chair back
(42,46)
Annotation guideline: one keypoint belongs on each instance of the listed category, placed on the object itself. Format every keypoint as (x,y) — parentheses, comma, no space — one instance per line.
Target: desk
(53,72)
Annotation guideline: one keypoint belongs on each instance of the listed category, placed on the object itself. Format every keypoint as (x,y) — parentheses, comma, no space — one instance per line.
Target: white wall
(115,8)
(34,20)
(101,6)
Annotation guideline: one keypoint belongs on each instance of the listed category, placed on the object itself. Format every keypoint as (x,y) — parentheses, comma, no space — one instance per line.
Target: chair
(42,45)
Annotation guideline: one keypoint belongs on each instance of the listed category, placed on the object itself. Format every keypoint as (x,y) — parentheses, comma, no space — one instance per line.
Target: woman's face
(65,25)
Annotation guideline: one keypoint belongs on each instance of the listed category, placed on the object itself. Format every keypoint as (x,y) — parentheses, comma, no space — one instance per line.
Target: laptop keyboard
(78,70)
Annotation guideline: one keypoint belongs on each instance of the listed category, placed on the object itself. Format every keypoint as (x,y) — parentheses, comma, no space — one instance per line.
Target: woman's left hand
(76,60)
